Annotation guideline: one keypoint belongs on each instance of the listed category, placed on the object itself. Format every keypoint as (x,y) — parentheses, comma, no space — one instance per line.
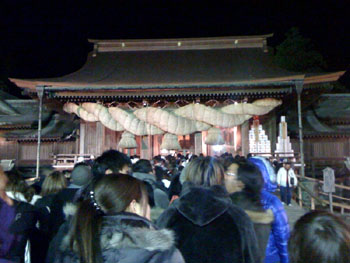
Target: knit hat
(81,175)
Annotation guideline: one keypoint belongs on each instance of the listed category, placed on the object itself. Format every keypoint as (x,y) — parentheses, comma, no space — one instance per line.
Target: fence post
(331,202)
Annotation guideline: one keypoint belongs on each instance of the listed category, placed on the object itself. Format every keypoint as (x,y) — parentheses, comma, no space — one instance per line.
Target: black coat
(209,228)
(60,199)
(261,218)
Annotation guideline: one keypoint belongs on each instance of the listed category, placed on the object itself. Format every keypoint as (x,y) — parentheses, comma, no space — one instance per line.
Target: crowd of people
(168,209)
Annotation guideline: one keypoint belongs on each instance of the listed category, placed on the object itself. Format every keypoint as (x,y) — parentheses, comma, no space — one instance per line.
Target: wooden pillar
(82,138)
(99,137)
(299,89)
(40,92)
(150,146)
(245,138)
(197,143)
(145,147)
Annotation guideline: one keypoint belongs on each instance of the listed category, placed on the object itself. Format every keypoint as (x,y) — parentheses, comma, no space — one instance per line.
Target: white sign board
(329,180)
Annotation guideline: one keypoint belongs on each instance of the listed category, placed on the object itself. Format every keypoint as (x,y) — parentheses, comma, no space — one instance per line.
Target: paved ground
(294,212)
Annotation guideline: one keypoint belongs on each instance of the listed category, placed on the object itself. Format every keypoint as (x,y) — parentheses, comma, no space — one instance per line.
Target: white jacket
(282,177)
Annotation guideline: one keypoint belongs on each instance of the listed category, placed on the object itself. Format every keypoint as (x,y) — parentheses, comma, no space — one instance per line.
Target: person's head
(53,183)
(120,192)
(157,160)
(287,166)
(286,163)
(206,171)
(17,184)
(320,237)
(109,195)
(111,161)
(251,178)
(142,166)
(232,183)
(81,174)
(193,157)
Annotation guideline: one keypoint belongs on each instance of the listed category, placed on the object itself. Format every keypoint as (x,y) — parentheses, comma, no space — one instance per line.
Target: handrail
(321,201)
(307,190)
(320,181)
(336,196)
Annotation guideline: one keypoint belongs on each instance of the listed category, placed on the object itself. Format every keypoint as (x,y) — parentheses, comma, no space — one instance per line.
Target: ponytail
(114,193)
(86,230)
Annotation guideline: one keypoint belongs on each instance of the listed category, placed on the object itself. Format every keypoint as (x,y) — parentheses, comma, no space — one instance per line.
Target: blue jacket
(277,247)
(267,172)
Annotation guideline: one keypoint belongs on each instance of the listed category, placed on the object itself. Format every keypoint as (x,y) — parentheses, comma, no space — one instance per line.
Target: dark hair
(110,160)
(157,159)
(53,183)
(142,166)
(253,181)
(193,157)
(17,184)
(320,237)
(205,171)
(227,161)
(113,194)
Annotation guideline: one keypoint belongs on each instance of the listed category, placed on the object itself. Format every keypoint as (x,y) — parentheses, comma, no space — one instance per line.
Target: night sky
(49,38)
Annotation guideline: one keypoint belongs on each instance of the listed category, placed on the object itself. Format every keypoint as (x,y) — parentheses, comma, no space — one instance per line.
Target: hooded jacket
(277,247)
(267,172)
(209,228)
(124,238)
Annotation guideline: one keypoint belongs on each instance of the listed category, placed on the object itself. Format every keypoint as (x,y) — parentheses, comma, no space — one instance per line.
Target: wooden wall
(8,150)
(324,148)
(25,152)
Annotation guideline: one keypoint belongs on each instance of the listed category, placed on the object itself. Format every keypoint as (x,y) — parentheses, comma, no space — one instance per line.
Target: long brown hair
(53,183)
(110,194)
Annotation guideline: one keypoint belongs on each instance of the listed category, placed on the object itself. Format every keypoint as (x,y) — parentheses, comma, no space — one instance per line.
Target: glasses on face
(230,173)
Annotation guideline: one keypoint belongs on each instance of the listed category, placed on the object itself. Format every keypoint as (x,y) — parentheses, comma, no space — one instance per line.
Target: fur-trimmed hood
(257,217)
(127,230)
(257,213)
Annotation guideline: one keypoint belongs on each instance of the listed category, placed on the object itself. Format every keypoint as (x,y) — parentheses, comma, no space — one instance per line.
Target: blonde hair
(206,171)
(53,183)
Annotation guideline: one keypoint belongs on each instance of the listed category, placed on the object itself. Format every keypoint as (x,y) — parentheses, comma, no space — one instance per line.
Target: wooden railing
(67,161)
(344,203)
